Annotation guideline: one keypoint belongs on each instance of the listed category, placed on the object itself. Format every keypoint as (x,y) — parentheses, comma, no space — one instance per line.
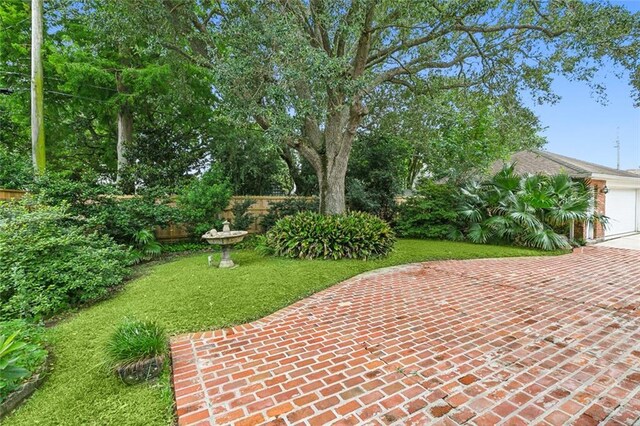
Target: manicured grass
(186,295)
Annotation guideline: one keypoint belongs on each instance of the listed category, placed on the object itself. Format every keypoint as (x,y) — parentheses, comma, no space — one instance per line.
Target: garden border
(20,395)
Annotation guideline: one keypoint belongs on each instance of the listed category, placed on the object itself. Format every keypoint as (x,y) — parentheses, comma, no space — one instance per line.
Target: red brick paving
(548,340)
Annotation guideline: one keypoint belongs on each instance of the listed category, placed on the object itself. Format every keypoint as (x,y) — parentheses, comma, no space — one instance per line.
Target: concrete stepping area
(519,341)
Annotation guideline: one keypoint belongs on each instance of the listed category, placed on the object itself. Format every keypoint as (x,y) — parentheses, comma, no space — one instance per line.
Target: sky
(579,126)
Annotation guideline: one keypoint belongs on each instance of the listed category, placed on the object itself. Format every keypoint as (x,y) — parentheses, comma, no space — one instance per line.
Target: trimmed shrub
(308,235)
(432,213)
(50,263)
(182,247)
(135,340)
(285,208)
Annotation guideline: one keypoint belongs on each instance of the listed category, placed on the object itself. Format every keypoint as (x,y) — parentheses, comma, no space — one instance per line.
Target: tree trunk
(125,137)
(37,88)
(332,187)
(330,166)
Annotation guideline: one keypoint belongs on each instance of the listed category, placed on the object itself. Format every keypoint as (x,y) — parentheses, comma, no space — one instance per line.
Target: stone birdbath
(227,239)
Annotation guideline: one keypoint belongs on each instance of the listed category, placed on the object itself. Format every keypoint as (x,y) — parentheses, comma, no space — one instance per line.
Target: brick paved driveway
(520,341)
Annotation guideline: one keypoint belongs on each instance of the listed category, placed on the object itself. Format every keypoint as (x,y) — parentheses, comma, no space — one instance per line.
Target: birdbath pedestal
(226,239)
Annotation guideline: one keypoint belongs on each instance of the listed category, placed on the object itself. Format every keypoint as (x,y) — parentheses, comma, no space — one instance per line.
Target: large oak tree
(305,70)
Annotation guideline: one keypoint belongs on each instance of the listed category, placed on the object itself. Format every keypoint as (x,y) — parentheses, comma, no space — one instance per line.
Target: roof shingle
(548,163)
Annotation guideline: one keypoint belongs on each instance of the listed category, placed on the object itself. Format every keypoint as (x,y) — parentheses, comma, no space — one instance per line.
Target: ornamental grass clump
(136,350)
(309,235)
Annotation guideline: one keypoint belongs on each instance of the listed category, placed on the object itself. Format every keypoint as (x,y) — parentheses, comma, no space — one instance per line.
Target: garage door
(621,210)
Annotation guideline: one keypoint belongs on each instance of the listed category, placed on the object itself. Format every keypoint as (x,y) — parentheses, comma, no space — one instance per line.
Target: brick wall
(600,198)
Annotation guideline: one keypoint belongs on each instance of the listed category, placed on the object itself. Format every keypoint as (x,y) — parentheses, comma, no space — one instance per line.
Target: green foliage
(251,161)
(241,219)
(453,134)
(15,170)
(50,263)
(288,207)
(21,353)
(308,235)
(203,200)
(534,210)
(431,213)
(185,247)
(375,174)
(146,246)
(105,209)
(9,370)
(309,76)
(135,340)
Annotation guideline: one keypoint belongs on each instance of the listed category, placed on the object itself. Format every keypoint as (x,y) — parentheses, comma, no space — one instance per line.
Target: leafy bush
(374,178)
(242,220)
(104,208)
(135,340)
(203,200)
(49,262)
(21,353)
(15,170)
(432,213)
(288,207)
(534,211)
(310,235)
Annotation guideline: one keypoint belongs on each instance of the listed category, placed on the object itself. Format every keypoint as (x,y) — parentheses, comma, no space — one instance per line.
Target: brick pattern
(522,341)
(600,204)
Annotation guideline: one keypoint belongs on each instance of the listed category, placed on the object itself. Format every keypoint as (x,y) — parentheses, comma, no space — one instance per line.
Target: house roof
(545,162)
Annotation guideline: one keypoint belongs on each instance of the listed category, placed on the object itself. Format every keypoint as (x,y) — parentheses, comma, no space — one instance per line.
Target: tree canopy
(307,71)
(277,91)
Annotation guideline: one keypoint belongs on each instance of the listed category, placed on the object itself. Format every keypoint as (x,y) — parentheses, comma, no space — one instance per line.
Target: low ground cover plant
(185,246)
(22,353)
(309,235)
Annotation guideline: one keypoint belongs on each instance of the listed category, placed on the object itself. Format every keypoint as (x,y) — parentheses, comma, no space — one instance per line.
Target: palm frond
(546,239)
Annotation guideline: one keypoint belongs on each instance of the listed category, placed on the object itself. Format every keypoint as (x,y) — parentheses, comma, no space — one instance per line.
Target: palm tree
(533,210)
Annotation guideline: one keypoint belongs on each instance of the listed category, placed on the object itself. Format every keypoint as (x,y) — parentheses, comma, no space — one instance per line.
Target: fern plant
(146,246)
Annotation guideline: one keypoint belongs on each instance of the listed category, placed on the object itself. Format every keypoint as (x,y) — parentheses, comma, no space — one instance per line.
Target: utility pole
(37,89)
(617,147)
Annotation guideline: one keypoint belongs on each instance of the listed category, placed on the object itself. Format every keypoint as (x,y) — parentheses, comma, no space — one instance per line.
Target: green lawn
(186,295)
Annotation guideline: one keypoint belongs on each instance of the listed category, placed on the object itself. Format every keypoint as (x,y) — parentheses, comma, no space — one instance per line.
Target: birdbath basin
(226,239)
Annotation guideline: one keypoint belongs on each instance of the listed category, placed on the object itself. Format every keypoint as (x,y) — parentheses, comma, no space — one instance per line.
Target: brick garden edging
(551,340)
